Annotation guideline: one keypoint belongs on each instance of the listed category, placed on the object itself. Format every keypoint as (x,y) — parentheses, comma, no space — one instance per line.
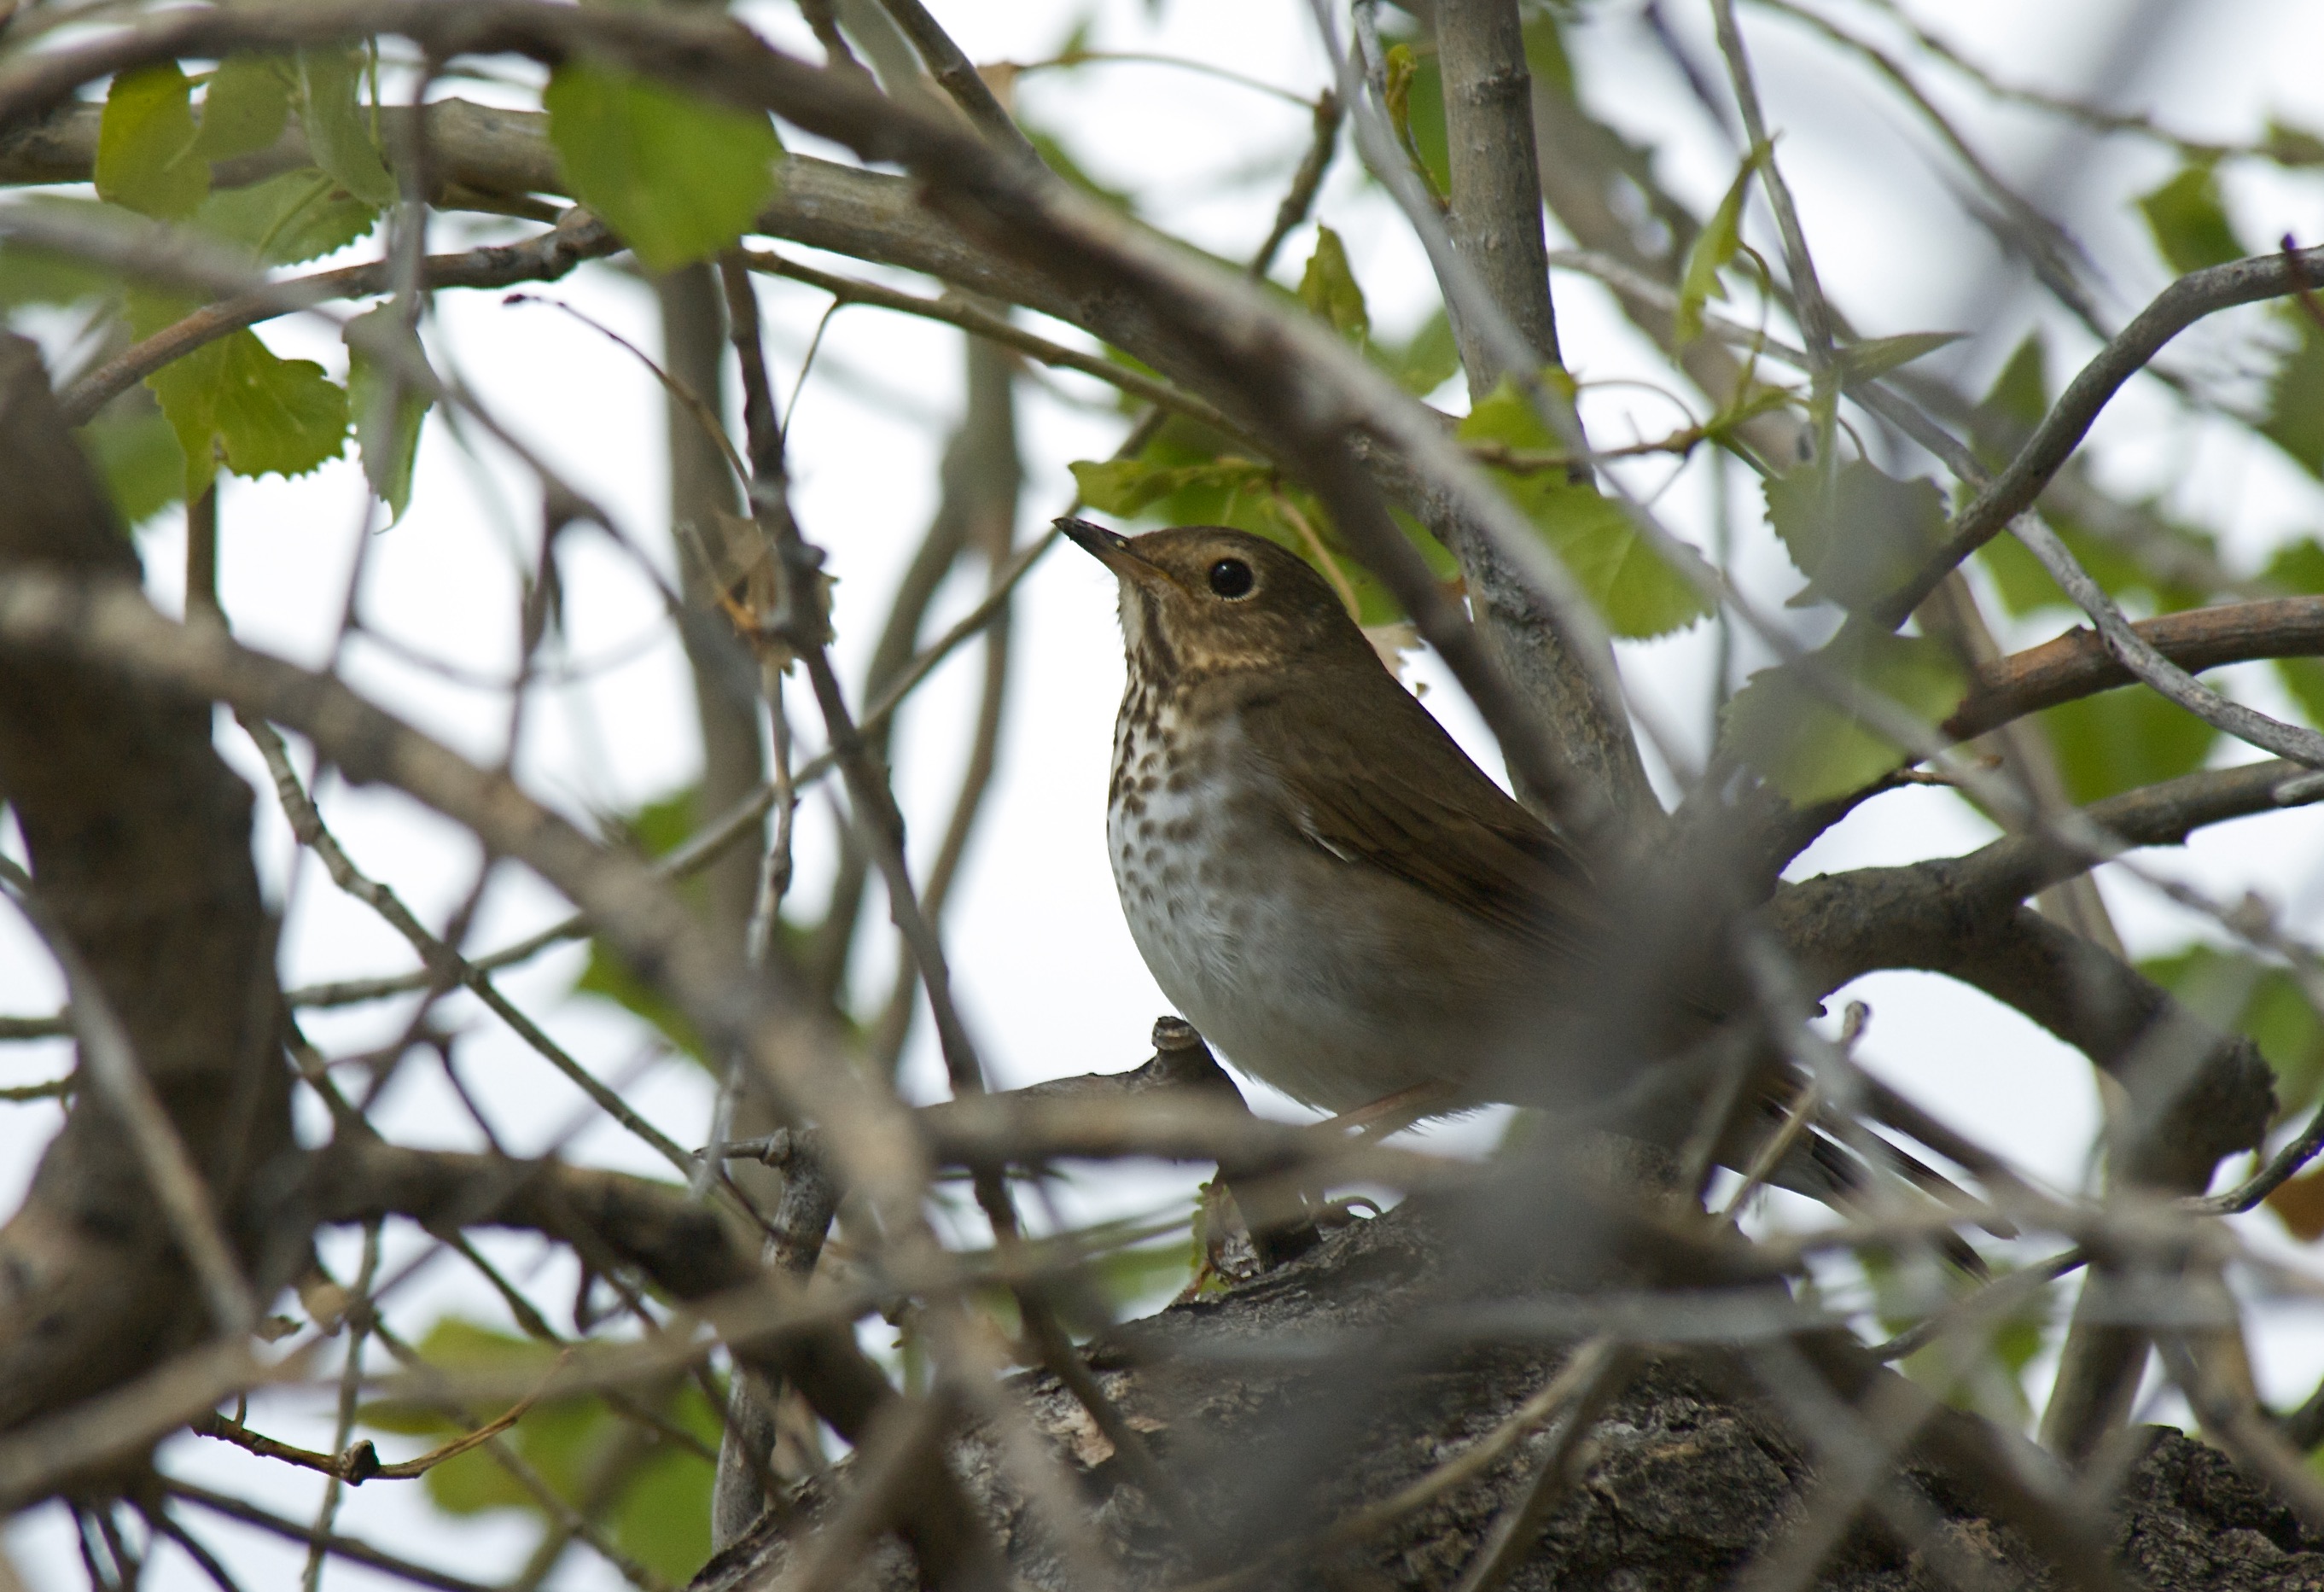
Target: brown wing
(1383,786)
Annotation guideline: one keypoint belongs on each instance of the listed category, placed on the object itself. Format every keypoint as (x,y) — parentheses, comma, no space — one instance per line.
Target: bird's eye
(1230,578)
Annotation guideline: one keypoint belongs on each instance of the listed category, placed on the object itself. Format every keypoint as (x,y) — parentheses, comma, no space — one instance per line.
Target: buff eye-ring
(1231,578)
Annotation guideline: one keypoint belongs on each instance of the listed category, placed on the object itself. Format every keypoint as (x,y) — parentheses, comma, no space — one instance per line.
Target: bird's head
(1204,599)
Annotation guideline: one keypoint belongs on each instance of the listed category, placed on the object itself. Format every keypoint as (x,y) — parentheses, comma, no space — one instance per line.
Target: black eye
(1230,578)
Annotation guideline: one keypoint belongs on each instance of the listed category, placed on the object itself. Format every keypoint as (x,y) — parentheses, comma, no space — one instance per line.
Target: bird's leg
(1393,1112)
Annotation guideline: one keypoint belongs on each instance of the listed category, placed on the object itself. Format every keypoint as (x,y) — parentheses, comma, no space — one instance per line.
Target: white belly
(1287,989)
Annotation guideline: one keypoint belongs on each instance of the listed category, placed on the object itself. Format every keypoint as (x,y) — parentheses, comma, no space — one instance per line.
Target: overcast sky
(1047,973)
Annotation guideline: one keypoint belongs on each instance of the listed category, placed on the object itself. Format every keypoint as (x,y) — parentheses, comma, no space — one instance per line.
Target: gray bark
(1294,1399)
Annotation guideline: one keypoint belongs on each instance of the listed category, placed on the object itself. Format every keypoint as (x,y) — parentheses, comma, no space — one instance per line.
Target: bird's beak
(1112,549)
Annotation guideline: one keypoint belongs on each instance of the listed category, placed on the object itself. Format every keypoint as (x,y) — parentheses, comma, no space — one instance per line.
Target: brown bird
(1316,874)
(1322,881)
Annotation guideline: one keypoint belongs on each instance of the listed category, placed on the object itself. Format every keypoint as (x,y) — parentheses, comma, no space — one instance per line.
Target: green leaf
(295,216)
(2304,678)
(678,178)
(246,107)
(1127,487)
(145,160)
(2121,739)
(2189,221)
(2295,399)
(266,414)
(2009,1344)
(663,1517)
(1811,748)
(1328,288)
(1545,52)
(1059,159)
(36,276)
(1140,1279)
(339,125)
(1877,357)
(1187,476)
(2291,146)
(1428,361)
(1714,246)
(2298,568)
(1639,593)
(2025,586)
(652,830)
(387,412)
(1423,124)
(1857,534)
(2239,993)
(662,1513)
(2009,412)
(137,453)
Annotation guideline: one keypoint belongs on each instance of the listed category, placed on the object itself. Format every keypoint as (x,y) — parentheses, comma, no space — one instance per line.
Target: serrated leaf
(339,125)
(1877,357)
(246,107)
(2189,221)
(267,415)
(1856,533)
(1714,247)
(386,409)
(1186,477)
(1428,361)
(2119,740)
(144,145)
(1639,594)
(1121,486)
(1812,749)
(1128,488)
(678,178)
(296,216)
(2295,400)
(136,454)
(1328,288)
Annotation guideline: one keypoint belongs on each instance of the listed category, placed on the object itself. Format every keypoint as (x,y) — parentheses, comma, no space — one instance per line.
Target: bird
(1343,902)
(1316,874)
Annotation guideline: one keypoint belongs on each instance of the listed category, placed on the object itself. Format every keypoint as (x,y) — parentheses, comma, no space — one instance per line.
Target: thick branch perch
(139,839)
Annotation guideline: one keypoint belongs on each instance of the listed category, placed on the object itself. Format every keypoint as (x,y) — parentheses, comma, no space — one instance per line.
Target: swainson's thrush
(1350,910)
(1315,873)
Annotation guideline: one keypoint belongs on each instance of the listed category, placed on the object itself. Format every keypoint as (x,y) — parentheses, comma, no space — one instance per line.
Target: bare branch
(2174,310)
(2079,663)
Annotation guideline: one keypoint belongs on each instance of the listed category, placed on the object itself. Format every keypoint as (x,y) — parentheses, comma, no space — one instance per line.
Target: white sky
(1046,974)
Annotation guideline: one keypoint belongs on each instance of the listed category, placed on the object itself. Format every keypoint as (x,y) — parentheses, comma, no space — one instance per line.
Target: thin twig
(353,1549)
(358,1315)
(997,329)
(447,965)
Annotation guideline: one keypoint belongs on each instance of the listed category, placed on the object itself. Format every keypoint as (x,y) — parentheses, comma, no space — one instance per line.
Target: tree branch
(139,839)
(2078,664)
(2177,307)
